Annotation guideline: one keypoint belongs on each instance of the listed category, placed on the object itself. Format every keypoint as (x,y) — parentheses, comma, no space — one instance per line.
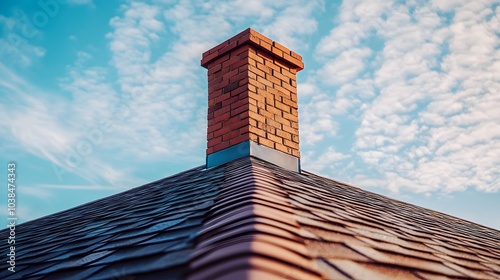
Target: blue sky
(397,98)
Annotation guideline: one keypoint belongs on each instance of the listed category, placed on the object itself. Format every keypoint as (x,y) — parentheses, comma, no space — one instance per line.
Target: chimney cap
(254,38)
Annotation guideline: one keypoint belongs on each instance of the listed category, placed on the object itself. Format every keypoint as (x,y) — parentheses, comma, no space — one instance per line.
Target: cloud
(428,120)
(325,161)
(16,44)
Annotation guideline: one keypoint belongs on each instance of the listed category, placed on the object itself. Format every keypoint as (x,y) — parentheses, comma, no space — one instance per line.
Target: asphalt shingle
(251,219)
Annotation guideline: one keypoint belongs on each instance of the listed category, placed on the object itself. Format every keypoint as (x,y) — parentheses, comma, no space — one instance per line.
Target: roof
(251,219)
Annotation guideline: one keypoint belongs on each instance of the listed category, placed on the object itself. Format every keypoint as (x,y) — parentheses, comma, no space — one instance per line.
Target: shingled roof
(250,212)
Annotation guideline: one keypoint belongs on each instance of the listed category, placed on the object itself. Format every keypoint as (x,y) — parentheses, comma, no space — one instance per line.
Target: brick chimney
(252,101)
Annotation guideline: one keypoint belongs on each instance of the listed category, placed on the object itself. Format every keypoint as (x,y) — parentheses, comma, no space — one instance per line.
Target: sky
(400,98)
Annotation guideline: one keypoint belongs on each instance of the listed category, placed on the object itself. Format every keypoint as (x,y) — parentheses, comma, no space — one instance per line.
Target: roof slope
(251,219)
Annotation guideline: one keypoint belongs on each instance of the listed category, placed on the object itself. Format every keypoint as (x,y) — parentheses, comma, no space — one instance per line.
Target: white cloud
(16,47)
(324,162)
(429,121)
(348,65)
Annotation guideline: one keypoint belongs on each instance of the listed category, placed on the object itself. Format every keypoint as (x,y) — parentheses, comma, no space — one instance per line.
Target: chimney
(252,101)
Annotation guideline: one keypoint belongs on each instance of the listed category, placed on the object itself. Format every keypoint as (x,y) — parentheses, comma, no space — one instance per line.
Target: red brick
(297,63)
(222,97)
(239,110)
(214,141)
(283,148)
(230,62)
(245,115)
(271,64)
(265,55)
(264,81)
(205,54)
(215,81)
(274,124)
(241,62)
(273,79)
(206,59)
(244,129)
(256,57)
(214,127)
(282,90)
(227,103)
(238,77)
(266,128)
(283,64)
(277,51)
(252,122)
(218,86)
(221,59)
(268,113)
(289,102)
(256,83)
(290,117)
(257,131)
(289,74)
(266,142)
(274,138)
(241,51)
(238,139)
(291,144)
(253,137)
(289,87)
(281,47)
(241,89)
(261,37)
(282,107)
(289,129)
(264,68)
(222,72)
(296,55)
(280,76)
(282,121)
(253,107)
(284,134)
(252,93)
(229,47)
(252,88)
(243,95)
(230,135)
(265,44)
(237,102)
(216,68)
(270,100)
(222,117)
(257,71)
(221,146)
(230,74)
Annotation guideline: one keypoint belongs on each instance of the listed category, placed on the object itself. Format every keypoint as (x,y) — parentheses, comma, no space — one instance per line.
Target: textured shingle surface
(140,232)
(249,219)
(358,234)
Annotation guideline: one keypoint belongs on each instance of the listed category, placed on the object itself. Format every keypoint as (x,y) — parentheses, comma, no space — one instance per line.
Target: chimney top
(252,101)
(254,38)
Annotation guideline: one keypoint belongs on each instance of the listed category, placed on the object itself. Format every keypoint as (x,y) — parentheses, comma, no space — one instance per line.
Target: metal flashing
(250,148)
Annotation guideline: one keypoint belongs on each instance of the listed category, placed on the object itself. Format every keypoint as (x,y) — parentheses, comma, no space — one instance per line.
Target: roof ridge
(252,221)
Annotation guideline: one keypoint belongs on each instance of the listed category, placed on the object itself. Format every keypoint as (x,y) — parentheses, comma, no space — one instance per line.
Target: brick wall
(252,94)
